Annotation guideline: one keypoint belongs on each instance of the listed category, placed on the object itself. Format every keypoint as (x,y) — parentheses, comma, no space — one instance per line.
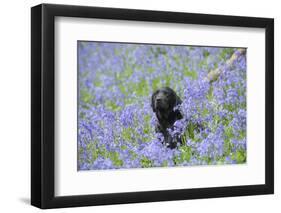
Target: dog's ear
(178,100)
(153,101)
(178,111)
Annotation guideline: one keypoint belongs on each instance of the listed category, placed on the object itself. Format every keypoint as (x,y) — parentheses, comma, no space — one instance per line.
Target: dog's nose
(158,99)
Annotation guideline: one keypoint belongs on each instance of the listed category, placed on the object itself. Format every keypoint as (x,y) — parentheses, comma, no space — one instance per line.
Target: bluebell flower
(116,125)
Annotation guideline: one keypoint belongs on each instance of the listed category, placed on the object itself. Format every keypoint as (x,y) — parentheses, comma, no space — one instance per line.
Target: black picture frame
(43,105)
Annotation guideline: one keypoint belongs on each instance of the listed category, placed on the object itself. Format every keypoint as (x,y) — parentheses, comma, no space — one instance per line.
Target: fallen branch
(214,74)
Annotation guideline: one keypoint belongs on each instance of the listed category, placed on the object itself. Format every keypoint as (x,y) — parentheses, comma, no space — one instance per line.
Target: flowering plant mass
(116,124)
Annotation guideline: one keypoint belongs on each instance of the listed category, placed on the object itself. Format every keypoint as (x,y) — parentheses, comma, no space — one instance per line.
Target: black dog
(163,102)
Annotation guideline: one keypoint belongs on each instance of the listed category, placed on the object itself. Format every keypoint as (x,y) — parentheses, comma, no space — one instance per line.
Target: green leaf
(145,162)
(189,73)
(85,96)
(241,156)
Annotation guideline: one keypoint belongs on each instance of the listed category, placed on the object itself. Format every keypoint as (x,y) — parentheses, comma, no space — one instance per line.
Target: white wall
(15,105)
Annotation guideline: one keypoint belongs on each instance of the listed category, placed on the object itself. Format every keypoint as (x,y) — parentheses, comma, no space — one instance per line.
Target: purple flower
(116,125)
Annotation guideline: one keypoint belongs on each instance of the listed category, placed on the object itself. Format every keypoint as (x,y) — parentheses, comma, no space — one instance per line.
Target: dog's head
(164,100)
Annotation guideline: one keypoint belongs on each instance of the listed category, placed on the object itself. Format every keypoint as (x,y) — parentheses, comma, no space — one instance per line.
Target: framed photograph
(139,106)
